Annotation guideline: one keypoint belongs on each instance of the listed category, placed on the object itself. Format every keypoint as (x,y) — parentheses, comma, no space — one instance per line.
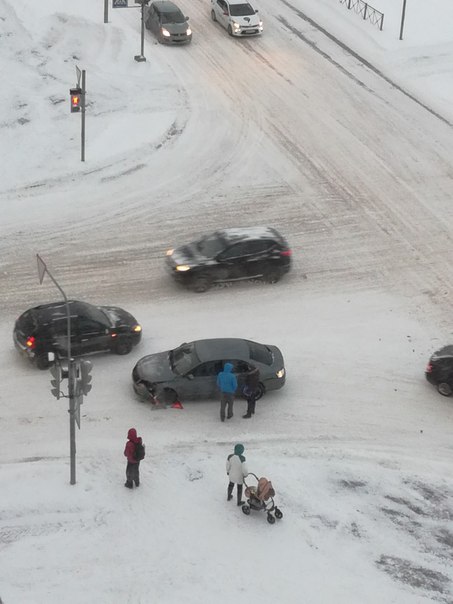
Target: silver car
(190,371)
(168,23)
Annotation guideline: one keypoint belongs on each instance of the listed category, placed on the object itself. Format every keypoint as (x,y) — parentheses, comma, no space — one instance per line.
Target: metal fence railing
(366,11)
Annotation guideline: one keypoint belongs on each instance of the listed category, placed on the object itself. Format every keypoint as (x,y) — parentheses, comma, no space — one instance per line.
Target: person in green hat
(236,469)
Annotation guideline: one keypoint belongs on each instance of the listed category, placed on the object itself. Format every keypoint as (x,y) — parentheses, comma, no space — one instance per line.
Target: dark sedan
(43,329)
(190,371)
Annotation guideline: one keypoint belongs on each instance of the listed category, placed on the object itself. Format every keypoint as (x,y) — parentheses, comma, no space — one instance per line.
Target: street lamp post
(403,15)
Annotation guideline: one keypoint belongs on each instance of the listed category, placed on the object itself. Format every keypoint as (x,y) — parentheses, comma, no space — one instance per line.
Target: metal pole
(71,389)
(83,115)
(403,15)
(142,51)
(106,11)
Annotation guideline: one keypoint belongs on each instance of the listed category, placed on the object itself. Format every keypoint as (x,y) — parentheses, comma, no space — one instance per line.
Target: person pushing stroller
(236,469)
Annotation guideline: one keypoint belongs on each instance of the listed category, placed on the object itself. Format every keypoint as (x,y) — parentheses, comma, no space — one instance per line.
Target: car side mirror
(256,10)
(189,376)
(187,18)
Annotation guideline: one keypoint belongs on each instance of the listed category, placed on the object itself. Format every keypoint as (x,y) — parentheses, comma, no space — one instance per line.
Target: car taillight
(114,335)
(286,253)
(429,368)
(30,342)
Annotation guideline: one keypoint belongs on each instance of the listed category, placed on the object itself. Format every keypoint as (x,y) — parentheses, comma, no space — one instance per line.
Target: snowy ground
(340,136)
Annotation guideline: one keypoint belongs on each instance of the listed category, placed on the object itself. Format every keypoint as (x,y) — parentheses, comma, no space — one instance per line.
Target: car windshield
(260,353)
(90,312)
(173,17)
(183,358)
(240,10)
(210,246)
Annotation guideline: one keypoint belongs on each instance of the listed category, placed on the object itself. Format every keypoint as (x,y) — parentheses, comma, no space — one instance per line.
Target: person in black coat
(250,391)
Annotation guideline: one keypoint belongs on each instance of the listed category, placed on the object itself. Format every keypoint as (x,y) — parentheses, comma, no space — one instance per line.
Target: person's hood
(132,434)
(228,367)
(239,449)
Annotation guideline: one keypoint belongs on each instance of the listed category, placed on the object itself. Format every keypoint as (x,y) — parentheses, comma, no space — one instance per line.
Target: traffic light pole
(42,269)
(83,114)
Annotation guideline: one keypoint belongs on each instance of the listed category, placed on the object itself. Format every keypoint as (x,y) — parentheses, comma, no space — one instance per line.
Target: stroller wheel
(246,509)
(270,519)
(278,513)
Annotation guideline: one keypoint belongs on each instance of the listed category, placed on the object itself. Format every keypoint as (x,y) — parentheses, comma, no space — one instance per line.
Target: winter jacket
(251,382)
(235,465)
(129,450)
(226,380)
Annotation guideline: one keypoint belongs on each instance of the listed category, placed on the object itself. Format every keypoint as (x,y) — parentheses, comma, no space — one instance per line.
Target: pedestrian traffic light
(56,373)
(76,99)
(85,377)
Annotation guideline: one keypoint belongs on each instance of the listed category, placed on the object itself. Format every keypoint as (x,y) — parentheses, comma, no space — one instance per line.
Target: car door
(153,19)
(259,258)
(231,263)
(91,336)
(222,13)
(58,335)
(202,380)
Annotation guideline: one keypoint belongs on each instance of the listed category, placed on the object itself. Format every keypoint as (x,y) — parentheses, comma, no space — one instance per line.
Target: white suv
(239,18)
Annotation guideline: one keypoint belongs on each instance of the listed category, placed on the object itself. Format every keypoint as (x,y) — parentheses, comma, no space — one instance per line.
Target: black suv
(43,329)
(230,255)
(439,370)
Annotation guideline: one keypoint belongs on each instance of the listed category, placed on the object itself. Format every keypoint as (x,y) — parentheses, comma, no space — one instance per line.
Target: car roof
(234,235)
(239,2)
(446,351)
(222,348)
(165,6)
(54,310)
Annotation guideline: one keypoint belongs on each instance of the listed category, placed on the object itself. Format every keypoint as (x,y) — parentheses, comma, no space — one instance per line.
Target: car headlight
(261,25)
(183,267)
(170,252)
(236,26)
(280,373)
(165,32)
(189,31)
(137,328)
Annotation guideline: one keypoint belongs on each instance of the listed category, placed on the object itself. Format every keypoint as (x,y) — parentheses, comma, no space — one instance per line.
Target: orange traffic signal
(76,99)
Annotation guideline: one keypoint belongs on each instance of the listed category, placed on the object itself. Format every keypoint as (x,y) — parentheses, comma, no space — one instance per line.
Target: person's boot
(230,493)
(128,484)
(247,416)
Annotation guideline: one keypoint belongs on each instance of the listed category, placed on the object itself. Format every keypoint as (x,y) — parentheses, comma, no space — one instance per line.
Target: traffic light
(56,373)
(85,377)
(76,99)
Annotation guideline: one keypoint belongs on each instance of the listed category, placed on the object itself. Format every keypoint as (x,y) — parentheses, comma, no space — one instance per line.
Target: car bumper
(176,39)
(244,33)
(274,383)
(24,350)
(431,379)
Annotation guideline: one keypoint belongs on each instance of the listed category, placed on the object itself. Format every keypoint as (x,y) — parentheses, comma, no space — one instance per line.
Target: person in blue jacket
(227,384)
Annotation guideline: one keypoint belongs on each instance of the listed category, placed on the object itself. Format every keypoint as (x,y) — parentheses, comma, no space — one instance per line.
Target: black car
(168,23)
(190,370)
(230,255)
(439,370)
(43,330)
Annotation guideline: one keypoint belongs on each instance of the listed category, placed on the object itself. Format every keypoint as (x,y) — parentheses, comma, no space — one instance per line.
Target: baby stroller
(260,497)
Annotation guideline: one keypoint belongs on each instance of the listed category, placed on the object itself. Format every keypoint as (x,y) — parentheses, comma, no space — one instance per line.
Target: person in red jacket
(133,465)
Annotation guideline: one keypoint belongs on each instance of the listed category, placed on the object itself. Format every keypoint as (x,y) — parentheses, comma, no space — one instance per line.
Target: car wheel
(260,390)
(169,396)
(213,17)
(42,361)
(444,389)
(123,346)
(272,275)
(201,283)
(230,31)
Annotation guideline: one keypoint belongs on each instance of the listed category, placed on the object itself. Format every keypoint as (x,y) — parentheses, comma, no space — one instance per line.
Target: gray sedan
(190,371)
